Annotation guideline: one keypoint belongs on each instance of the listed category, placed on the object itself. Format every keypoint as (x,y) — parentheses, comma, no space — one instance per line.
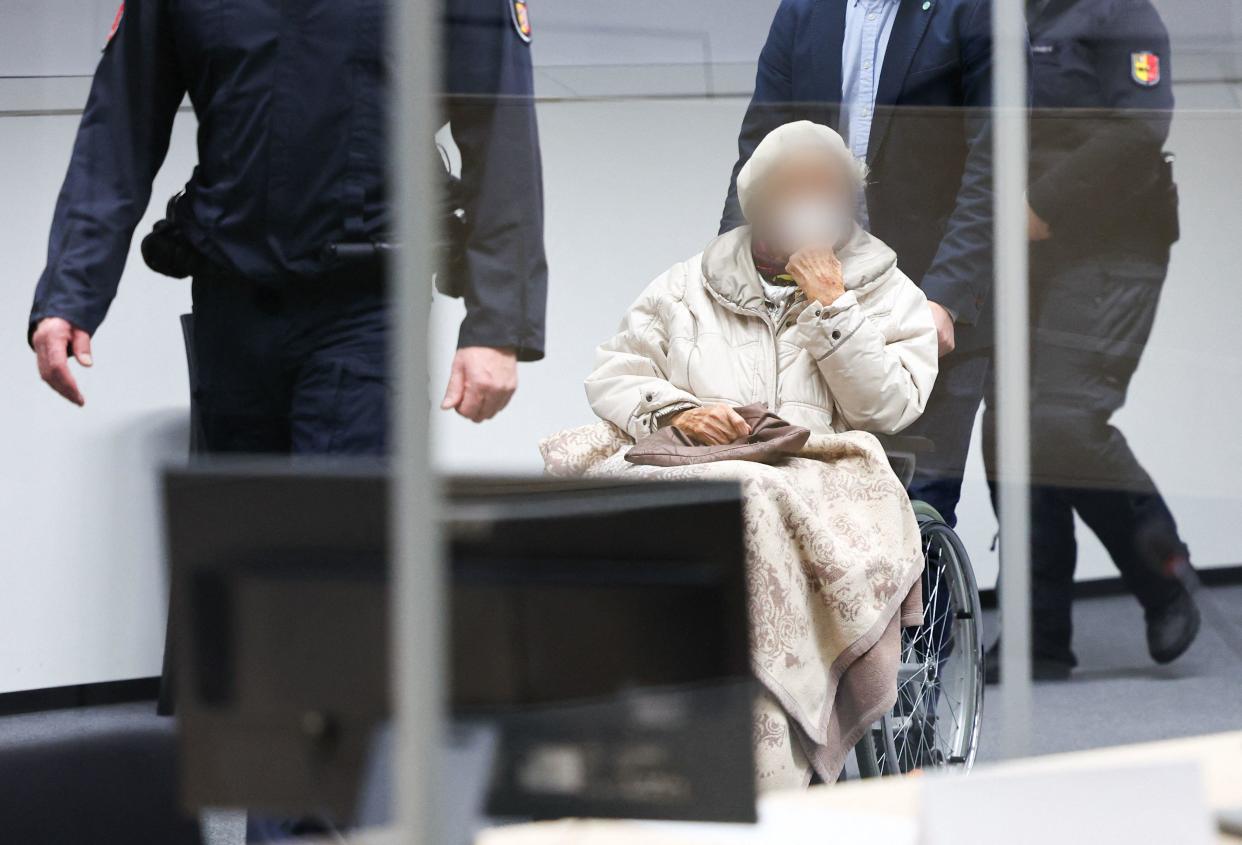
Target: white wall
(633,185)
(82,585)
(53,37)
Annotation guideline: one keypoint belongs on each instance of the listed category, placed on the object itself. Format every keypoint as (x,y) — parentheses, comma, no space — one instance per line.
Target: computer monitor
(598,642)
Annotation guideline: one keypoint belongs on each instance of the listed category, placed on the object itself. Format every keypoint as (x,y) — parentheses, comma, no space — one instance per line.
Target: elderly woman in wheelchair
(804,311)
(801,308)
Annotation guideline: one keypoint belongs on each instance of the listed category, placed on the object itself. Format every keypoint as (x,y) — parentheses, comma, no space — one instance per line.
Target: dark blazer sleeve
(120,146)
(1132,128)
(960,275)
(491,111)
(772,104)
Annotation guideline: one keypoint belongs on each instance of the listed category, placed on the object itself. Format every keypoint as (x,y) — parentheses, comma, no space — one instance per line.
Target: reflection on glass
(864,175)
(602,638)
(796,325)
(908,87)
(1102,217)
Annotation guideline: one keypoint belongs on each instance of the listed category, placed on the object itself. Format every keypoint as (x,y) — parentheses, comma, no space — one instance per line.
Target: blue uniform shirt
(868,25)
(291,104)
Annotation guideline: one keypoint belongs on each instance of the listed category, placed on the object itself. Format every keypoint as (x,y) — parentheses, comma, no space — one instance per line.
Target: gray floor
(220,828)
(1116,696)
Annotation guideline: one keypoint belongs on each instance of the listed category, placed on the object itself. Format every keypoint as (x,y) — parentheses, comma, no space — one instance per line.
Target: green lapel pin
(926,5)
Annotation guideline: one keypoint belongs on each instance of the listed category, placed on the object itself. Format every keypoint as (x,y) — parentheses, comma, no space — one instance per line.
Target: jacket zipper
(773,328)
(776,362)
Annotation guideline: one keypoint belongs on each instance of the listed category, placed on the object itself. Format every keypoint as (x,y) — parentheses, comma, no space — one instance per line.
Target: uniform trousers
(1092,315)
(299,369)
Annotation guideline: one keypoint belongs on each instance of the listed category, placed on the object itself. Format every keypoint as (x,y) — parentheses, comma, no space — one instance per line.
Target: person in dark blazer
(908,84)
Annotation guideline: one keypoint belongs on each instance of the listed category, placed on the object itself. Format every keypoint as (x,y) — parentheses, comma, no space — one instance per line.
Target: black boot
(1172,628)
(1043,668)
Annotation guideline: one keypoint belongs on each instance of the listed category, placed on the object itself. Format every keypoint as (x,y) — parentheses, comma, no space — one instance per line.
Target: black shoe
(1042,668)
(1172,628)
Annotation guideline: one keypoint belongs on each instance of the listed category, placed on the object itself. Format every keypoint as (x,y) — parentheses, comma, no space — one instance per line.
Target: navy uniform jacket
(291,102)
(929,195)
(1103,102)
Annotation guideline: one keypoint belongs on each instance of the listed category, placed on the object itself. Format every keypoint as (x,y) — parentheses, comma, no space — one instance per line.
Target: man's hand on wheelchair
(714,425)
(946,337)
(1037,229)
(55,340)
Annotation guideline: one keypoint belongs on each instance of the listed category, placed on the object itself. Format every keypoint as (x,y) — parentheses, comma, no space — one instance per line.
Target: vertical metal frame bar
(417,578)
(1009,43)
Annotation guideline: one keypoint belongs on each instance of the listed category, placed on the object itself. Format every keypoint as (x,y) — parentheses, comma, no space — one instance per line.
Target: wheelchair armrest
(905,444)
(902,451)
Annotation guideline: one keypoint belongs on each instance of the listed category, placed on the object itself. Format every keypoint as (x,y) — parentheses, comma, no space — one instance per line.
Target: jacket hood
(729,269)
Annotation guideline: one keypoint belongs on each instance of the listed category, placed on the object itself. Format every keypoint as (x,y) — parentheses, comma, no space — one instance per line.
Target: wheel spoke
(930,724)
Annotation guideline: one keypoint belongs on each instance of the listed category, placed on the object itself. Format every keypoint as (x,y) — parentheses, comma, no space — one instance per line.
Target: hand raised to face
(817,270)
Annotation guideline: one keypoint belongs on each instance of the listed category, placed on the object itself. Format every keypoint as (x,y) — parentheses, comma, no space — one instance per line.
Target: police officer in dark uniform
(1102,219)
(284,222)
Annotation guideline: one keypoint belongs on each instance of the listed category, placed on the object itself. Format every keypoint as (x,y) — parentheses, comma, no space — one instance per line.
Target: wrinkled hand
(54,340)
(818,272)
(946,337)
(714,425)
(482,382)
(1036,228)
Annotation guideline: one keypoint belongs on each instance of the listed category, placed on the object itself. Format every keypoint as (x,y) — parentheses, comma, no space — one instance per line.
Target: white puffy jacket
(701,334)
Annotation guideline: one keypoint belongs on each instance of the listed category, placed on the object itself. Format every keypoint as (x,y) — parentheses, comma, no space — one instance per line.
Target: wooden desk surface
(1220,756)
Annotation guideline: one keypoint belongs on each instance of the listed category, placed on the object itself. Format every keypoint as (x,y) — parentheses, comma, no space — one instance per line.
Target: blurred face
(807,201)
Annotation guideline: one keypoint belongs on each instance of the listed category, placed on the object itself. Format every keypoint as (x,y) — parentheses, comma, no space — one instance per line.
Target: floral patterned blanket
(833,567)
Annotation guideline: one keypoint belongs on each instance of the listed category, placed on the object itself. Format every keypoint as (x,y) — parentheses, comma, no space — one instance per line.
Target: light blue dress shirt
(868,25)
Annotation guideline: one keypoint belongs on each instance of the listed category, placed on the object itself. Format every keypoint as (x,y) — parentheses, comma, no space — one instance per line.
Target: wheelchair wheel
(935,722)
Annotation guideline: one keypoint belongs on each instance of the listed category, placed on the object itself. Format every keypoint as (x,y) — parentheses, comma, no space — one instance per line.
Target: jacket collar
(729,272)
(827,34)
(909,27)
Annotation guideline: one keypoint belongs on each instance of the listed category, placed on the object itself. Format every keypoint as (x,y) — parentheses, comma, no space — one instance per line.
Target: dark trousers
(117,787)
(301,370)
(948,422)
(295,371)
(1092,317)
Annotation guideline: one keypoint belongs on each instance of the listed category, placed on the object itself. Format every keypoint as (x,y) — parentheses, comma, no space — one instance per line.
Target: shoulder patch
(1145,69)
(116,24)
(521,19)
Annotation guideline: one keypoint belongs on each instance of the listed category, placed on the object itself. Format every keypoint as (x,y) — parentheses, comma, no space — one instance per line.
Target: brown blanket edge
(858,714)
(819,736)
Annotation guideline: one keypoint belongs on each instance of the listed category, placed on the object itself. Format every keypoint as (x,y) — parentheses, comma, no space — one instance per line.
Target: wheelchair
(935,722)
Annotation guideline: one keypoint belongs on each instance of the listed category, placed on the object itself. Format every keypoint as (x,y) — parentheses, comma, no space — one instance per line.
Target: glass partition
(722,398)
(1065,346)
